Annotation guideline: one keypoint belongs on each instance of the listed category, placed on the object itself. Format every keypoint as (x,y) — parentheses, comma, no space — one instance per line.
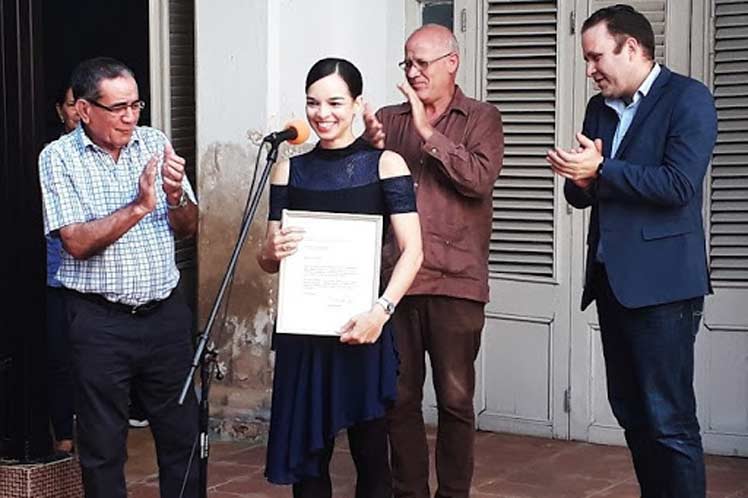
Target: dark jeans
(113,351)
(449,329)
(59,370)
(368,445)
(649,361)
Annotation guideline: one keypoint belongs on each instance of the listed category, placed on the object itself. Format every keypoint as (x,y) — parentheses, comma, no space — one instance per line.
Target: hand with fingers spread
(417,111)
(364,328)
(579,164)
(282,243)
(374,132)
(172,173)
(146,199)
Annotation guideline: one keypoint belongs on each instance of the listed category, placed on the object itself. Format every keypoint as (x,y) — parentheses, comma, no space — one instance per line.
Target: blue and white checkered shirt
(81,182)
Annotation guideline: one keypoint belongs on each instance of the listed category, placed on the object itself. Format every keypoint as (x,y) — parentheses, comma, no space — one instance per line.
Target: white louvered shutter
(521,82)
(729,180)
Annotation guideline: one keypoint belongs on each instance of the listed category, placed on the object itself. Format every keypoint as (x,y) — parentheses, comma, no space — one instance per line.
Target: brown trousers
(449,329)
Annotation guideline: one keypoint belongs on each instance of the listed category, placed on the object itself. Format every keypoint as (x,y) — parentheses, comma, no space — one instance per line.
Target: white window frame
(160,65)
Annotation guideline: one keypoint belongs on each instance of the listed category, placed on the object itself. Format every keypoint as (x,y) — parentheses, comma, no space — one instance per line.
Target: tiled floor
(506,466)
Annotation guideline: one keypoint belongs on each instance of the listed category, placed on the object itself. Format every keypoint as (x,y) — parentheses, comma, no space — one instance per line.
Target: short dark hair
(88,75)
(624,21)
(332,65)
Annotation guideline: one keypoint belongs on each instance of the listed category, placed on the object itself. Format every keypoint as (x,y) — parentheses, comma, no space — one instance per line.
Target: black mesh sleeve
(399,195)
(278,201)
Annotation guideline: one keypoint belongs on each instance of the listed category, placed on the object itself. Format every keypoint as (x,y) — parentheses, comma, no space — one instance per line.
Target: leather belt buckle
(145,308)
(133,310)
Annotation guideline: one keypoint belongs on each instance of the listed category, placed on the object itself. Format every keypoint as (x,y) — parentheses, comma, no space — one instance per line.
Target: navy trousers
(649,361)
(113,351)
(59,370)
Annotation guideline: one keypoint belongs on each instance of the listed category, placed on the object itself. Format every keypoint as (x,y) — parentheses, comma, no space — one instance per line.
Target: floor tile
(506,466)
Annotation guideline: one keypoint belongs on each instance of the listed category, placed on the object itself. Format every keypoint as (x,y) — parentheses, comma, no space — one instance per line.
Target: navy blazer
(646,204)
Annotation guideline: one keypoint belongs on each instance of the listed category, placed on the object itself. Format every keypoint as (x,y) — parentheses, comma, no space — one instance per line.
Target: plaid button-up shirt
(81,182)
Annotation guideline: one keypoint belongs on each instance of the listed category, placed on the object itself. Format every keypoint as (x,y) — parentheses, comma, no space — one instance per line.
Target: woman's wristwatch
(387,305)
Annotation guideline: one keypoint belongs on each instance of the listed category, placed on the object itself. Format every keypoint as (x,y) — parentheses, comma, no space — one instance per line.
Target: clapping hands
(578,164)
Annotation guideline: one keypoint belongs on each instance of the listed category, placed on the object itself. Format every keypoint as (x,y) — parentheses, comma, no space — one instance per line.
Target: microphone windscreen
(302,131)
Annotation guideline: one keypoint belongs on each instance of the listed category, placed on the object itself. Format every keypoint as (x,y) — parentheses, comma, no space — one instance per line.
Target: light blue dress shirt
(626,112)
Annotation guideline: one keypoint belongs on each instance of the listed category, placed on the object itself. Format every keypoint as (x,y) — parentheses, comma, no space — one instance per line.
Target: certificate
(333,275)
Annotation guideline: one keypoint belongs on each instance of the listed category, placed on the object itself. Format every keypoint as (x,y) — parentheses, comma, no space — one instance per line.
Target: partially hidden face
(330,108)
(436,80)
(67,112)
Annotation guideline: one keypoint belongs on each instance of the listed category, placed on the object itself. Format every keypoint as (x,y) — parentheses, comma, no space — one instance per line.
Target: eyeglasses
(121,108)
(420,64)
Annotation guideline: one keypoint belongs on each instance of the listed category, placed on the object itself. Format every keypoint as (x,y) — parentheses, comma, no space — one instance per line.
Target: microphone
(295,132)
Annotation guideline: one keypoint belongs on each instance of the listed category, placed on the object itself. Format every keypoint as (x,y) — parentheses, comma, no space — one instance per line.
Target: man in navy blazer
(644,150)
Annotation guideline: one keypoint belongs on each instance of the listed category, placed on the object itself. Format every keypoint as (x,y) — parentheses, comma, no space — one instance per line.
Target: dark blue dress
(322,385)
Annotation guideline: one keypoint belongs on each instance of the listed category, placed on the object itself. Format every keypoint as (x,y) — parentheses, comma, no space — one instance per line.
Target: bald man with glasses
(454,146)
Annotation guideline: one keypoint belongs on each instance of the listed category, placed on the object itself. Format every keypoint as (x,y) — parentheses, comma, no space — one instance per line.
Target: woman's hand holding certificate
(283,243)
(364,328)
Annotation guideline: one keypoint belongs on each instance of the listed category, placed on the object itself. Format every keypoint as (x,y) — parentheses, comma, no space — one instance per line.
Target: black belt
(130,309)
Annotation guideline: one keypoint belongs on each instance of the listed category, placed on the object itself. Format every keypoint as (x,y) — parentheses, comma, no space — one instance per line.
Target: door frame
(159,64)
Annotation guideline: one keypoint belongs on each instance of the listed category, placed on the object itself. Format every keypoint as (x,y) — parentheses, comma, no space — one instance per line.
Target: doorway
(76,30)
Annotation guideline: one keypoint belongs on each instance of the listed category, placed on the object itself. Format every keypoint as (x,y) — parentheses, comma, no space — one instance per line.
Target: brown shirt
(453,173)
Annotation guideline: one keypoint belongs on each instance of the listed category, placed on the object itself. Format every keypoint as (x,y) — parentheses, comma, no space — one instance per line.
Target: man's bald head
(437,35)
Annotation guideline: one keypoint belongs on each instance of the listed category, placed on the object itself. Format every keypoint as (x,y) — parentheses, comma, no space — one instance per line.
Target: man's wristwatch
(182,202)
(387,305)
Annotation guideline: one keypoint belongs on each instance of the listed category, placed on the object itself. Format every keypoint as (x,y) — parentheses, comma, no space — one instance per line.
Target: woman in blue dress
(325,384)
(59,369)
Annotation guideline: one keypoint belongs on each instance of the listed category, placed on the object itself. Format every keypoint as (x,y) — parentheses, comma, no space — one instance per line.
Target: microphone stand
(206,357)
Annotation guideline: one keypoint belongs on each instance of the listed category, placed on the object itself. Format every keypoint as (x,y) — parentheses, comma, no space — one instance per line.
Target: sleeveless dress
(321,385)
